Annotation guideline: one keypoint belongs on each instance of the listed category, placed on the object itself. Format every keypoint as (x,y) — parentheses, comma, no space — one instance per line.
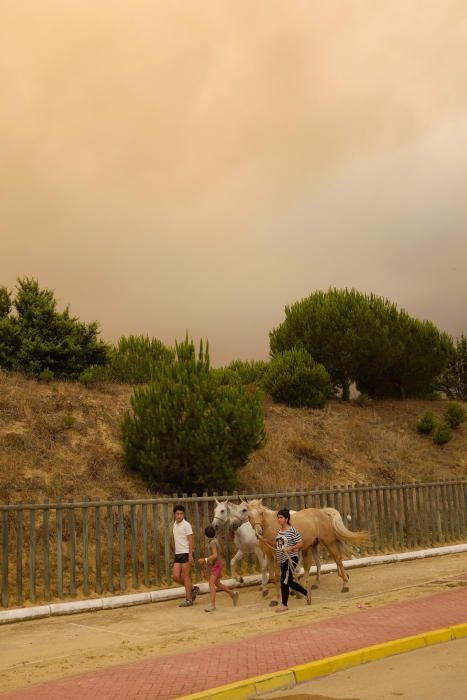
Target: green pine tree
(186,432)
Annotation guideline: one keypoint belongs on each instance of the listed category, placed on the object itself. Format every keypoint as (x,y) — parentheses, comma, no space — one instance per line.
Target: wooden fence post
(19,557)
(5,539)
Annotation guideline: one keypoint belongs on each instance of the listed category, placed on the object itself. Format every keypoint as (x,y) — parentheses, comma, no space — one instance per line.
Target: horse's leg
(317,560)
(263,564)
(307,555)
(233,566)
(335,551)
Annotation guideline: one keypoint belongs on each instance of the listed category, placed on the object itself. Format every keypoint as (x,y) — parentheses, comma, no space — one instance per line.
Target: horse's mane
(257,503)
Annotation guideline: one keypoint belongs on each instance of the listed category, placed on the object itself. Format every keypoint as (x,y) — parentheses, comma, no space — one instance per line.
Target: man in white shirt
(183,539)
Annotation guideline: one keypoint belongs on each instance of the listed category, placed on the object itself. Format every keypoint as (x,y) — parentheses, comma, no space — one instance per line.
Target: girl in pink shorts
(212,569)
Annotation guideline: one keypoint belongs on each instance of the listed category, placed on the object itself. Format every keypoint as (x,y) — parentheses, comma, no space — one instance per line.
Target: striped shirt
(287,539)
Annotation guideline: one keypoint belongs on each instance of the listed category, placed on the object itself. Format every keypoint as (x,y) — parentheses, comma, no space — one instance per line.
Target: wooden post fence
(56,551)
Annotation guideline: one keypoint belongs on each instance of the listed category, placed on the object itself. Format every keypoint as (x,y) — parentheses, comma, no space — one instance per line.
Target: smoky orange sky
(197,165)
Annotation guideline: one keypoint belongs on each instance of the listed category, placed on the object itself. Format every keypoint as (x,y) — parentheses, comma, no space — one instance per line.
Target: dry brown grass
(347,444)
(46,455)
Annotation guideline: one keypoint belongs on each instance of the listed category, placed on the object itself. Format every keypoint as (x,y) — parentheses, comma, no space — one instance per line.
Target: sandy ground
(56,647)
(432,673)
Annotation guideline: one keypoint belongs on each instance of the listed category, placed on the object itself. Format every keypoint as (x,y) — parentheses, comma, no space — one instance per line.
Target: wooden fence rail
(53,551)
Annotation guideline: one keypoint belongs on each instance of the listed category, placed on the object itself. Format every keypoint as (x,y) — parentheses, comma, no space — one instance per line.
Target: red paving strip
(167,677)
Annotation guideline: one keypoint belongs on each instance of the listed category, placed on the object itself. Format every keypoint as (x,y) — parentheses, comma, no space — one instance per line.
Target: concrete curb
(121,601)
(291,677)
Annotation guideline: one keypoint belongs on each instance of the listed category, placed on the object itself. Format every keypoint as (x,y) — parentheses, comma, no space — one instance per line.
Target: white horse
(245,540)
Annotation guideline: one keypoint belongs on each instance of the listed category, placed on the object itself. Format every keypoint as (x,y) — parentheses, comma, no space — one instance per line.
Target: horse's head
(221,514)
(255,510)
(238,514)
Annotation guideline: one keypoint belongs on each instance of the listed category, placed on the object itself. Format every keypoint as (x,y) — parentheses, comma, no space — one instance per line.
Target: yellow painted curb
(289,678)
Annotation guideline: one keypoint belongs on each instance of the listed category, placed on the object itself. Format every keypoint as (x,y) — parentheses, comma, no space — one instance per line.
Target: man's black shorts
(181,558)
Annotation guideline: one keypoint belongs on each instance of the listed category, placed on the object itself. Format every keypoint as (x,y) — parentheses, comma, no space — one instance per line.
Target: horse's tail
(343,533)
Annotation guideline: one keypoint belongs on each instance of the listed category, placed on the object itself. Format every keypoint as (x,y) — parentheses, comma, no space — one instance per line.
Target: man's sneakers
(210,608)
(235,598)
(186,604)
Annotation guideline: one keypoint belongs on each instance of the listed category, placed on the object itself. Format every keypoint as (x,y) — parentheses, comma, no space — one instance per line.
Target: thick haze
(170,166)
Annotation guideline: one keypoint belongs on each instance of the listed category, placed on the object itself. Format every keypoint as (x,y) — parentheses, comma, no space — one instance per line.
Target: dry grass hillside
(61,440)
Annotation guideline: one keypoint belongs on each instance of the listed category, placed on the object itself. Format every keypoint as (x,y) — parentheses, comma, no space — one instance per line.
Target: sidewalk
(167,677)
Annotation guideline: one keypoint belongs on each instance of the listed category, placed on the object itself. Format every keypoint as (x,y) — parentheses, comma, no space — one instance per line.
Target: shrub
(69,420)
(186,431)
(442,433)
(453,381)
(46,375)
(426,422)
(88,376)
(362,400)
(35,337)
(133,361)
(294,378)
(454,415)
(243,372)
(250,372)
(226,376)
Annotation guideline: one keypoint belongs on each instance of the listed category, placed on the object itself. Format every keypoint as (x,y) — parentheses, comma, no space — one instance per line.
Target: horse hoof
(315,587)
(240,579)
(273,603)
(345,589)
(264,593)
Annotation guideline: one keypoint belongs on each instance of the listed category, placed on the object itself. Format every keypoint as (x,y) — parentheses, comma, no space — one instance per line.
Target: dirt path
(61,646)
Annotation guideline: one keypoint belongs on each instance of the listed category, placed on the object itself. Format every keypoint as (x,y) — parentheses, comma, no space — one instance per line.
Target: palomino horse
(323,525)
(245,540)
(227,514)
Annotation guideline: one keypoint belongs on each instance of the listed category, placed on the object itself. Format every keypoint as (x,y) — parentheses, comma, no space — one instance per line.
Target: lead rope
(291,566)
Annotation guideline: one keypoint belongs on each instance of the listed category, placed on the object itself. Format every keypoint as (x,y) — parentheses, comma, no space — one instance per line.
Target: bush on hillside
(250,372)
(188,433)
(242,372)
(453,381)
(362,400)
(46,376)
(35,337)
(454,415)
(442,433)
(426,422)
(365,339)
(226,376)
(134,360)
(294,378)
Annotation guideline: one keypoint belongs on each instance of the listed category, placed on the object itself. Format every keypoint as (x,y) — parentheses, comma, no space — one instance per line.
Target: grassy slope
(43,456)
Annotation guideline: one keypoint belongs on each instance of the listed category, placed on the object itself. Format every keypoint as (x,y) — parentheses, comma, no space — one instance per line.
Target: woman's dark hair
(285,512)
(179,507)
(209,531)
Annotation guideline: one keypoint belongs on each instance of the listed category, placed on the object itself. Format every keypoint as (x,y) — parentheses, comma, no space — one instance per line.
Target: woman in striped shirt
(288,544)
